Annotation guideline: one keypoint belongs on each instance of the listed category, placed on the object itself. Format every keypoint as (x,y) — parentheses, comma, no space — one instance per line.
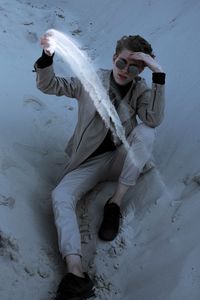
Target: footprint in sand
(34,102)
(7,201)
(31,37)
(48,262)
(192,183)
(9,247)
(196,179)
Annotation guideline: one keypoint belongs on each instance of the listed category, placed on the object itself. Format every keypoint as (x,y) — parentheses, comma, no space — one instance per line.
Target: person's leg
(126,168)
(64,198)
(76,284)
(120,191)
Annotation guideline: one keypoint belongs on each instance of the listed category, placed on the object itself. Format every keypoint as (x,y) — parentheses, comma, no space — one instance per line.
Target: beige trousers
(119,165)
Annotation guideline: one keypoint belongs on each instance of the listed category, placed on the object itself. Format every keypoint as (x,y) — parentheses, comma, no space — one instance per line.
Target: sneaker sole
(83,297)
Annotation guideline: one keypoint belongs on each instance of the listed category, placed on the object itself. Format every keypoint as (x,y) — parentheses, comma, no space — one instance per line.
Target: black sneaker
(73,287)
(110,225)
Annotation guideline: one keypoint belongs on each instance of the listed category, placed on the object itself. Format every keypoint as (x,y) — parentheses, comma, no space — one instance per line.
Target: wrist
(158,70)
(158,77)
(48,53)
(44,61)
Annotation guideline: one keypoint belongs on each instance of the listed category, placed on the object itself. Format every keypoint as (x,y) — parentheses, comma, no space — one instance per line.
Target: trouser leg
(65,196)
(127,166)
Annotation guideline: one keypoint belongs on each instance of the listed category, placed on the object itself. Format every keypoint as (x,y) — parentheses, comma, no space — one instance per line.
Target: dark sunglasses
(121,64)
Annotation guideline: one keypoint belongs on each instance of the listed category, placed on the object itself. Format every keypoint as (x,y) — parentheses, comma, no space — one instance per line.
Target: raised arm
(48,82)
(151,103)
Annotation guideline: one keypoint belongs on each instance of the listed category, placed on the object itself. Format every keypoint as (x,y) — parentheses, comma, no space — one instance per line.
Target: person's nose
(126,68)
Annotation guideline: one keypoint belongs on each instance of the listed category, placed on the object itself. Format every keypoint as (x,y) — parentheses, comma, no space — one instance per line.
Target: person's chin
(122,80)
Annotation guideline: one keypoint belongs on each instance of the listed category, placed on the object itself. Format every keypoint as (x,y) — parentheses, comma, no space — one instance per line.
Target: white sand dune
(156,255)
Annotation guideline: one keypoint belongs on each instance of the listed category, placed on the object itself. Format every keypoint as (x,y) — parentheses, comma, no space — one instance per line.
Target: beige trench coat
(147,104)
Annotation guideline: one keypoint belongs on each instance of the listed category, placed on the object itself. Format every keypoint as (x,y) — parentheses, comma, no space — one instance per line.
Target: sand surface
(156,255)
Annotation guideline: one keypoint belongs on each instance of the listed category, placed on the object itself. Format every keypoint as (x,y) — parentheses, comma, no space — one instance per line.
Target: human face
(124,75)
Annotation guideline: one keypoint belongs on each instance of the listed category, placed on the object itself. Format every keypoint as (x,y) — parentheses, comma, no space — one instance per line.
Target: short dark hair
(134,43)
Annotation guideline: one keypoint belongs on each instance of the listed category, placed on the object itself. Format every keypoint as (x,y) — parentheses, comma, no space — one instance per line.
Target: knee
(62,197)
(145,133)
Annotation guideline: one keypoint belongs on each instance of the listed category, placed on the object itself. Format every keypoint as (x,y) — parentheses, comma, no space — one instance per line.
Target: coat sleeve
(151,104)
(49,83)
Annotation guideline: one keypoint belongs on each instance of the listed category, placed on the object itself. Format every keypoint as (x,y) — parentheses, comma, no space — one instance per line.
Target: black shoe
(73,287)
(110,225)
